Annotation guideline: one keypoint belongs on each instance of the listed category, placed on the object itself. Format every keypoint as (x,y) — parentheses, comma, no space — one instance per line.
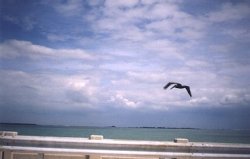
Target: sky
(105,62)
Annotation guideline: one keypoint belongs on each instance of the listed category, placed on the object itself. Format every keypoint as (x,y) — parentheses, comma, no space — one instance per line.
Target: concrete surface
(96,147)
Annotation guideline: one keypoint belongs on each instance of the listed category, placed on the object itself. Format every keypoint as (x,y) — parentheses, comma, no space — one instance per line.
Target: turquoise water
(194,135)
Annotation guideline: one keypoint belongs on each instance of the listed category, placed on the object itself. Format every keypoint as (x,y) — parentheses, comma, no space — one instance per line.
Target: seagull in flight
(179,86)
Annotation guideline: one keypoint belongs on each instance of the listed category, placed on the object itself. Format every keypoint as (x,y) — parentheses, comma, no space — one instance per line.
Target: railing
(13,146)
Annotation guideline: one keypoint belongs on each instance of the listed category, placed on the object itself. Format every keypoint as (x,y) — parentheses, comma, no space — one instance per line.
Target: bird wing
(169,83)
(188,90)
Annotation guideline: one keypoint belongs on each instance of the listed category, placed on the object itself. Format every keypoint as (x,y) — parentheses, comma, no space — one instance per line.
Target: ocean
(151,134)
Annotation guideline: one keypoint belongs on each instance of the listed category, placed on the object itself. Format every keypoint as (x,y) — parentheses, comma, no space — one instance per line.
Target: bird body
(179,86)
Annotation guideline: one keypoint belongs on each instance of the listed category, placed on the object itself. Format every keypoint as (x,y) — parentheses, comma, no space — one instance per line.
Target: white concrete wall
(16,146)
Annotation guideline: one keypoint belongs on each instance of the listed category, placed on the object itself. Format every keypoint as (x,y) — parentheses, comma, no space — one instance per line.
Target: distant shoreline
(112,126)
(140,127)
(18,124)
(143,127)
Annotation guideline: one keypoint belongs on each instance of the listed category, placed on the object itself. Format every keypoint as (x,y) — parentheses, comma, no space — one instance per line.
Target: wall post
(7,155)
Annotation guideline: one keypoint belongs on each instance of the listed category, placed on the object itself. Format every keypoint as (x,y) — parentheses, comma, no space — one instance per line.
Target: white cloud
(121,3)
(55,37)
(207,85)
(139,86)
(220,48)
(95,2)
(27,22)
(68,7)
(147,76)
(161,11)
(179,25)
(119,99)
(197,63)
(119,66)
(230,12)
(164,48)
(48,90)
(234,97)
(239,34)
(16,48)
(139,45)
(199,101)
(230,99)
(154,28)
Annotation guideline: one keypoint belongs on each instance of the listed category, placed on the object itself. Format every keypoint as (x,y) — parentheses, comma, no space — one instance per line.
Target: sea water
(152,134)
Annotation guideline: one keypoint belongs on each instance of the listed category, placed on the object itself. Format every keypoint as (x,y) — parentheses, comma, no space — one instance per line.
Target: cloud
(47,91)
(11,19)
(147,76)
(128,84)
(230,12)
(97,56)
(119,99)
(238,33)
(161,11)
(235,97)
(163,47)
(27,23)
(127,66)
(54,37)
(159,28)
(68,7)
(164,17)
(17,48)
(199,101)
(121,3)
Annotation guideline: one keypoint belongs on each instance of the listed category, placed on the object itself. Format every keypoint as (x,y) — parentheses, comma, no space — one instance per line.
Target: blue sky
(105,62)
